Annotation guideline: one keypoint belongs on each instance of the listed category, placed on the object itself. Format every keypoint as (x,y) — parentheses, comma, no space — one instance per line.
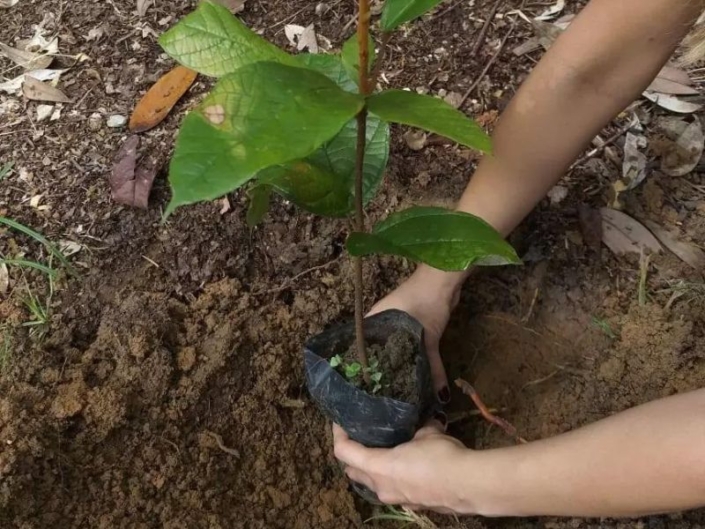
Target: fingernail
(441,417)
(444,395)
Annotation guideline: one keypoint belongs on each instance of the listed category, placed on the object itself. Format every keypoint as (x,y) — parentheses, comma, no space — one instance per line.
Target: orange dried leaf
(161,98)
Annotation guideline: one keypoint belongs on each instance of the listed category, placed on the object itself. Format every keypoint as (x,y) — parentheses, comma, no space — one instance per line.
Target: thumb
(432,428)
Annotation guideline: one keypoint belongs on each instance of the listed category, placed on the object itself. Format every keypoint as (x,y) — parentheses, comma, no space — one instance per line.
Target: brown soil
(168,391)
(397,364)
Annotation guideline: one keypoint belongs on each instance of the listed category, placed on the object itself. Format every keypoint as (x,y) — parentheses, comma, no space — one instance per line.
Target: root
(219,442)
(508,428)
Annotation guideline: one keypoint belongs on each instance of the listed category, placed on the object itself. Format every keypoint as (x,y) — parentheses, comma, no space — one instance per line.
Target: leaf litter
(36,90)
(680,147)
(686,252)
(131,183)
(623,234)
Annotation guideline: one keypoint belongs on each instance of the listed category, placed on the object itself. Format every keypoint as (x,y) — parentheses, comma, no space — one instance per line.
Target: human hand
(418,474)
(429,296)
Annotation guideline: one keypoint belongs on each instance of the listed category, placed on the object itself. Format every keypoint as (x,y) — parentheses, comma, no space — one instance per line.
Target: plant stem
(363,39)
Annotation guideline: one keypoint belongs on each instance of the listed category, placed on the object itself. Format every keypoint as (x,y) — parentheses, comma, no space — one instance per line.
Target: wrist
(447,285)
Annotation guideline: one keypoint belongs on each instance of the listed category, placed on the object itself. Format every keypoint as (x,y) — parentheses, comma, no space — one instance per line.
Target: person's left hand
(417,474)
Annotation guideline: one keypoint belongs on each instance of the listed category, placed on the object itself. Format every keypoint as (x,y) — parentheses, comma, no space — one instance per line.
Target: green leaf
(335,361)
(351,57)
(264,114)
(353,370)
(324,183)
(331,66)
(213,42)
(398,12)
(5,169)
(431,114)
(259,204)
(444,239)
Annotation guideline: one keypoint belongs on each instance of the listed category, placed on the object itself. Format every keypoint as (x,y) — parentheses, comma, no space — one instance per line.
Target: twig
(219,441)
(594,152)
(483,32)
(289,282)
(443,13)
(540,380)
(487,67)
(470,391)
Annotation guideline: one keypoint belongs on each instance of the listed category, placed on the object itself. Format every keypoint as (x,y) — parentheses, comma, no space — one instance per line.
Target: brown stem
(505,425)
(363,40)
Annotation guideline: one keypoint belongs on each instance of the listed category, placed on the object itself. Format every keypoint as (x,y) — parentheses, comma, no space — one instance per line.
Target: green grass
(605,327)
(5,169)
(5,348)
(53,250)
(39,311)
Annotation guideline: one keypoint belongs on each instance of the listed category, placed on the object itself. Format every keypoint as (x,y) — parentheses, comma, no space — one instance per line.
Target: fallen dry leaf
(35,90)
(69,248)
(8,3)
(14,86)
(130,184)
(143,6)
(4,279)
(634,165)
(677,75)
(672,103)
(235,6)
(686,252)
(622,234)
(673,81)
(301,37)
(683,152)
(553,11)
(44,112)
(161,98)
(26,59)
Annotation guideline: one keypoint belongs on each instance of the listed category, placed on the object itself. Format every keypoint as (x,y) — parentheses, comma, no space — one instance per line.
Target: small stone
(322,9)
(116,121)
(95,121)
(44,111)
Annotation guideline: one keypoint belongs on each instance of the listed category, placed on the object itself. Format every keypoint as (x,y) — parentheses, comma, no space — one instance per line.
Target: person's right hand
(429,296)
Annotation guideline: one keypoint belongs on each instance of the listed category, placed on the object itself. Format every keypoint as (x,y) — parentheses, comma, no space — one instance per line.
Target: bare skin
(647,460)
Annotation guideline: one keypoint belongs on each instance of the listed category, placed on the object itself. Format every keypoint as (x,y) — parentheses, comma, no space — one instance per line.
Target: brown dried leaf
(161,98)
(8,3)
(686,252)
(37,91)
(622,234)
(235,6)
(686,151)
(143,6)
(26,59)
(130,184)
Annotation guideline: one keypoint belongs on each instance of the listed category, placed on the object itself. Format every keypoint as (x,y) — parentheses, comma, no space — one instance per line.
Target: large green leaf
(264,114)
(351,57)
(429,113)
(443,239)
(331,66)
(324,183)
(213,42)
(397,12)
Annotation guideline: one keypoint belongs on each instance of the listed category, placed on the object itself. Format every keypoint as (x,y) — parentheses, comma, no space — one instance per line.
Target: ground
(167,388)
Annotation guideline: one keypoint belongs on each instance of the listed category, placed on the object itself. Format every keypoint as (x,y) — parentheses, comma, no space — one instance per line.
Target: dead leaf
(415,139)
(557,194)
(634,165)
(682,155)
(35,90)
(129,183)
(235,6)
(4,279)
(44,112)
(26,59)
(553,11)
(591,227)
(224,205)
(8,3)
(686,252)
(672,103)
(302,37)
(69,248)
(14,86)
(666,86)
(546,32)
(143,6)
(161,98)
(677,75)
(622,234)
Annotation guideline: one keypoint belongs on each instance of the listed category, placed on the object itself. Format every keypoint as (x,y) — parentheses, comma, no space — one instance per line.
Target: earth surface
(166,389)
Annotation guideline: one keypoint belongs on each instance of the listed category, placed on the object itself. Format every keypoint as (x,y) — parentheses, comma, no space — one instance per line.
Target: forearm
(647,460)
(605,59)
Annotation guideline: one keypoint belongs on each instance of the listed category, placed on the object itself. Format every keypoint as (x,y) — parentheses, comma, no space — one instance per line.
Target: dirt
(168,390)
(396,361)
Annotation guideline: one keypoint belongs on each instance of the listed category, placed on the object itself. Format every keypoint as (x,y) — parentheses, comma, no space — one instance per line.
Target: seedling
(353,372)
(315,130)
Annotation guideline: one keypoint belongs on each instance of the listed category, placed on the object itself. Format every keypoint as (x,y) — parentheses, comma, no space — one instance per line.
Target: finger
(438,372)
(358,476)
(433,427)
(350,452)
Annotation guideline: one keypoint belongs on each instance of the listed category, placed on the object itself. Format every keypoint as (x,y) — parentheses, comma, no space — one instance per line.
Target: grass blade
(29,264)
(5,169)
(53,250)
